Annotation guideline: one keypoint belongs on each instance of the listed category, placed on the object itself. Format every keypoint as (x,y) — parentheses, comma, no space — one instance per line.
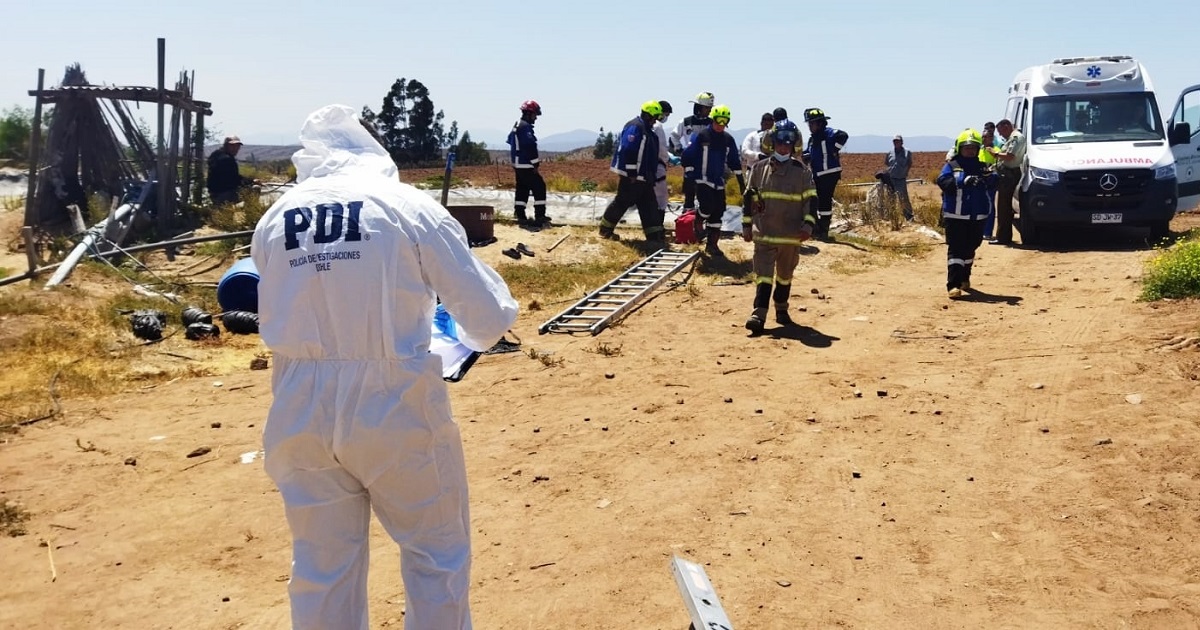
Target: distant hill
(260,152)
(581,138)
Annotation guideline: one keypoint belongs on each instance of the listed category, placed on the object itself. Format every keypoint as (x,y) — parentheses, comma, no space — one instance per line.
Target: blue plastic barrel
(238,288)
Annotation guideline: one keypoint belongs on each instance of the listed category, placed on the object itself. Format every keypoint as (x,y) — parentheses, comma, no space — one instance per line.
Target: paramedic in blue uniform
(523,151)
(822,156)
(966,190)
(705,159)
(636,162)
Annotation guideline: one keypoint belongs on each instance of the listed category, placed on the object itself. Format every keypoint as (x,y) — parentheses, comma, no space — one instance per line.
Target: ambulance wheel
(1159,232)
(1030,233)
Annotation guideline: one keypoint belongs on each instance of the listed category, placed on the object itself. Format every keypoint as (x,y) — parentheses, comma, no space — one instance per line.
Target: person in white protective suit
(350,261)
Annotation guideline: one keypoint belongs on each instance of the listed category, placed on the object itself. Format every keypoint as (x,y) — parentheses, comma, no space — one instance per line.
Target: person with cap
(965,185)
(778,215)
(682,136)
(225,182)
(636,162)
(823,157)
(523,151)
(352,261)
(705,159)
(898,162)
(1009,160)
(752,145)
(665,158)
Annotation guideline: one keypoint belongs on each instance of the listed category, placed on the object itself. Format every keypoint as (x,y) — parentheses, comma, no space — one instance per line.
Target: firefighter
(524,153)
(778,214)
(822,156)
(966,188)
(636,161)
(682,137)
(705,159)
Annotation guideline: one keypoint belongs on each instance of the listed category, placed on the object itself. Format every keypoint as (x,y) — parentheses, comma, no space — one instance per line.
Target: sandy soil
(1023,459)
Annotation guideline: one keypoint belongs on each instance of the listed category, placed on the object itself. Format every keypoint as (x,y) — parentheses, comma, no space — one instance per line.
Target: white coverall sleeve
(474,294)
(750,149)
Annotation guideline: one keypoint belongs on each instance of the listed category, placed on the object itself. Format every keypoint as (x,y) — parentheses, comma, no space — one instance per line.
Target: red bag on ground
(685,228)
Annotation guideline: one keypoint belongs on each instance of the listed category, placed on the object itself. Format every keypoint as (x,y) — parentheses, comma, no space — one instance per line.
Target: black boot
(780,297)
(710,246)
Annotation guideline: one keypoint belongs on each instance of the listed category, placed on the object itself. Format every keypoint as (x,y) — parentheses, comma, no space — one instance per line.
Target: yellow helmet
(721,111)
(654,108)
(969,136)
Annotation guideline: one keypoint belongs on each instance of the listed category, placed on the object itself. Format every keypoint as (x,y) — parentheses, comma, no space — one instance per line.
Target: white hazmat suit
(350,261)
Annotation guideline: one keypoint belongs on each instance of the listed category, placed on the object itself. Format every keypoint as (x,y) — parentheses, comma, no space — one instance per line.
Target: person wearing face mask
(708,154)
(779,213)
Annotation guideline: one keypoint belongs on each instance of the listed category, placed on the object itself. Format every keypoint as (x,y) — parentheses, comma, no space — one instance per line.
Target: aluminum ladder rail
(604,305)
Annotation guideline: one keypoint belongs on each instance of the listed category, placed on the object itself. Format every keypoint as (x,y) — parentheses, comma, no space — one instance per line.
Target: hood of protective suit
(334,140)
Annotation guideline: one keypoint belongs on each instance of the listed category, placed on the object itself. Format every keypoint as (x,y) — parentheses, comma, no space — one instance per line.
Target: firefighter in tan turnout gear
(779,214)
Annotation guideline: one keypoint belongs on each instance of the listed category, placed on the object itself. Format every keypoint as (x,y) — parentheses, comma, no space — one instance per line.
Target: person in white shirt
(350,262)
(665,157)
(752,144)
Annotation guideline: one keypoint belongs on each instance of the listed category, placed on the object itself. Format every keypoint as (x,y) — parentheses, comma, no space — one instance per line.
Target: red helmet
(531,107)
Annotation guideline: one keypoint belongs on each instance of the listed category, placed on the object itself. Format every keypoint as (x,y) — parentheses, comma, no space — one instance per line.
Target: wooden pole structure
(35,154)
(186,188)
(164,213)
(198,193)
(30,248)
(132,250)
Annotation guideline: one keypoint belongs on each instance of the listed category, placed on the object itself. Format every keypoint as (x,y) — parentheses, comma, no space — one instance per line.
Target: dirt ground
(1022,459)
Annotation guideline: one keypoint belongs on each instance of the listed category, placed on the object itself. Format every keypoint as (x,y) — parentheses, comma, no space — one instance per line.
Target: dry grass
(545,358)
(12,519)
(604,349)
(67,344)
(545,281)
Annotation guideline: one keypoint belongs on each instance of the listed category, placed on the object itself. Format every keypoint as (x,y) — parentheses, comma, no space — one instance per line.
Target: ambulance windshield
(1095,118)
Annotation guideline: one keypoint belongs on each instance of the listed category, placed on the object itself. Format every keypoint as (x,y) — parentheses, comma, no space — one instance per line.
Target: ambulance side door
(1186,146)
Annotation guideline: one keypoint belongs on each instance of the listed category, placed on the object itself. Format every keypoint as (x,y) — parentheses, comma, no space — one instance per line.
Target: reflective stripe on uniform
(811,192)
(604,223)
(830,170)
(777,240)
(955,261)
(764,280)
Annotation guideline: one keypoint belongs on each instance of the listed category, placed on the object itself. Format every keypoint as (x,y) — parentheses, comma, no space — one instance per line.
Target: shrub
(1174,272)
(561,183)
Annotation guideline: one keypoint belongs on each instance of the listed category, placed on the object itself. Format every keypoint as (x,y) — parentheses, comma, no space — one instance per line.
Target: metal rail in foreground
(699,596)
(601,307)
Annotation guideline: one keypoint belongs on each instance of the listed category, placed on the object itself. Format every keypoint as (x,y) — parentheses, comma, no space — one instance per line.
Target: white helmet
(705,99)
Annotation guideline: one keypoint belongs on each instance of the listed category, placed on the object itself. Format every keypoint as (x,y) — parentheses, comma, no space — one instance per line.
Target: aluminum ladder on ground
(601,307)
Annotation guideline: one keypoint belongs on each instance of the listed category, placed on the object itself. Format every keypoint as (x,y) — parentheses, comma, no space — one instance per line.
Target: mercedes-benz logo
(1108,182)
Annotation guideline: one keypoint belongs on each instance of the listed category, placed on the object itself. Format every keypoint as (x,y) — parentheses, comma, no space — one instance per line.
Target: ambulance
(1098,152)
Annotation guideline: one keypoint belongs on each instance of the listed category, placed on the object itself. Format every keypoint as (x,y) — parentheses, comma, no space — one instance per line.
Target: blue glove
(674,160)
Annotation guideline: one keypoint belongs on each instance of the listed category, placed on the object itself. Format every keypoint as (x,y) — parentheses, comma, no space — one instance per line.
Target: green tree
(604,145)
(469,153)
(16,124)
(411,128)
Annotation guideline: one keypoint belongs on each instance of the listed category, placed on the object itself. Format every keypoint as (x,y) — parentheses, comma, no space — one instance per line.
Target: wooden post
(164,214)
(35,154)
(185,187)
(198,193)
(30,248)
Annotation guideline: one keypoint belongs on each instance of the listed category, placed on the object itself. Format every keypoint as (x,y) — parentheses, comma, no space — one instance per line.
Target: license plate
(1106,217)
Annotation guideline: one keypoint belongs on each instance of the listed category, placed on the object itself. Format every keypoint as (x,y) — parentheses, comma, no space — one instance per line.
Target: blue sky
(917,68)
